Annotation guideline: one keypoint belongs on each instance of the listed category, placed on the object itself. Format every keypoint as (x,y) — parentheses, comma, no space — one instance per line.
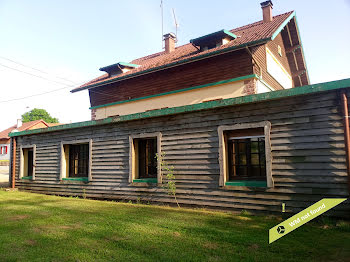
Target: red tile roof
(246,34)
(24,126)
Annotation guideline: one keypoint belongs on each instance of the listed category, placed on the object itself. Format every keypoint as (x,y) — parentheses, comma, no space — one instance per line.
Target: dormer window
(118,68)
(213,40)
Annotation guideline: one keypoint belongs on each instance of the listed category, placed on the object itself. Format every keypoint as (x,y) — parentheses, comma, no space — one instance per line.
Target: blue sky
(72,39)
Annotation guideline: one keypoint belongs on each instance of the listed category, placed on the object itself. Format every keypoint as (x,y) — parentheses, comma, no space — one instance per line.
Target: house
(233,112)
(256,58)
(5,139)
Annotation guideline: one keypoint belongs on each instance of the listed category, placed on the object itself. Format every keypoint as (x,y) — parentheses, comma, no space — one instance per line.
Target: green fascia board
(247,183)
(220,33)
(128,64)
(301,48)
(280,28)
(120,64)
(76,178)
(230,34)
(187,60)
(179,90)
(26,177)
(296,91)
(146,180)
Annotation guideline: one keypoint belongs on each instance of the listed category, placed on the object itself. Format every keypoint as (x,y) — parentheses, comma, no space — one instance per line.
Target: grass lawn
(36,227)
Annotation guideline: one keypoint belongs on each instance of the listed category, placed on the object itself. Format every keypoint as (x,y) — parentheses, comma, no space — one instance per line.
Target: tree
(37,114)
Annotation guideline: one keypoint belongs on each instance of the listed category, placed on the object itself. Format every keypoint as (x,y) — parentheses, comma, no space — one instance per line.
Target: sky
(60,44)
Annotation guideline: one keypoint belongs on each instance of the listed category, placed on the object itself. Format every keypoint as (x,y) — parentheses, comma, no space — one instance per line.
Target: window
(3,150)
(144,166)
(245,155)
(76,160)
(147,162)
(279,50)
(27,162)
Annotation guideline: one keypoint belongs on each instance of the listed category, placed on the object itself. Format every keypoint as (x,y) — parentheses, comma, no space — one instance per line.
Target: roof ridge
(258,22)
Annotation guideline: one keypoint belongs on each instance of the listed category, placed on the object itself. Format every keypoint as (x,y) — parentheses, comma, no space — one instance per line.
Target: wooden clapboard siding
(308,152)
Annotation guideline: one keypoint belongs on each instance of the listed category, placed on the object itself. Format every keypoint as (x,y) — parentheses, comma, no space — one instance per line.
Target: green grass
(36,227)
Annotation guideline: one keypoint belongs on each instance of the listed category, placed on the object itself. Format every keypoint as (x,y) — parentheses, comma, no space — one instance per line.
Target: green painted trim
(280,28)
(247,183)
(76,178)
(220,32)
(146,180)
(228,49)
(296,91)
(178,91)
(302,49)
(105,68)
(27,177)
(230,34)
(128,64)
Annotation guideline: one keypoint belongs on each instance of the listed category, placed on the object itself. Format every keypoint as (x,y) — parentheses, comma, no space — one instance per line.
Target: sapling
(170,184)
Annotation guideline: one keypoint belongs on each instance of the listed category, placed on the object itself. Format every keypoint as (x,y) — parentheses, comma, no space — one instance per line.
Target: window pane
(254,159)
(254,147)
(242,171)
(242,146)
(78,160)
(242,159)
(254,171)
(146,154)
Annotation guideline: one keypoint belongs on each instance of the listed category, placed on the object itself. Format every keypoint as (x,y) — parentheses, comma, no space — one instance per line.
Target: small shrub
(170,185)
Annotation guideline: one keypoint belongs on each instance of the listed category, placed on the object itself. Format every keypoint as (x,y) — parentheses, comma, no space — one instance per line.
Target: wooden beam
(298,73)
(292,49)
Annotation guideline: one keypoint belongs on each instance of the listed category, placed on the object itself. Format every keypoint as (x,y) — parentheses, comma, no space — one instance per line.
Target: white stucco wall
(5,156)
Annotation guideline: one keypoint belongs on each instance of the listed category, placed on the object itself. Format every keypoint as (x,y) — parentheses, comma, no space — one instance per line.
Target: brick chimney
(19,123)
(267,11)
(170,40)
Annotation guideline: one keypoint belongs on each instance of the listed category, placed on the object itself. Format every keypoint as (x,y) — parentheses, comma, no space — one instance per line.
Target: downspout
(13,175)
(344,102)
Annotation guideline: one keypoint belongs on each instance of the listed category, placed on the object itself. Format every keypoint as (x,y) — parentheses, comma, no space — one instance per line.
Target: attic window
(118,68)
(279,50)
(213,40)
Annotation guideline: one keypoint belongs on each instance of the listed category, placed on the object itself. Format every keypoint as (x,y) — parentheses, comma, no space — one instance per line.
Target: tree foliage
(37,114)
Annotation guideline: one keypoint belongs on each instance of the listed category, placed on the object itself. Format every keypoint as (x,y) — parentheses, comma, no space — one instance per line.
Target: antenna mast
(176,24)
(161,11)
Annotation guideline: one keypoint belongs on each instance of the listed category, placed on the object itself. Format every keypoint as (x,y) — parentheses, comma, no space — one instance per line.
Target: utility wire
(39,70)
(39,94)
(42,77)
(48,79)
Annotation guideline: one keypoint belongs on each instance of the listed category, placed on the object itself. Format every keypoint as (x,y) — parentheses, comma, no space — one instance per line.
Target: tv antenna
(176,24)
(161,12)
